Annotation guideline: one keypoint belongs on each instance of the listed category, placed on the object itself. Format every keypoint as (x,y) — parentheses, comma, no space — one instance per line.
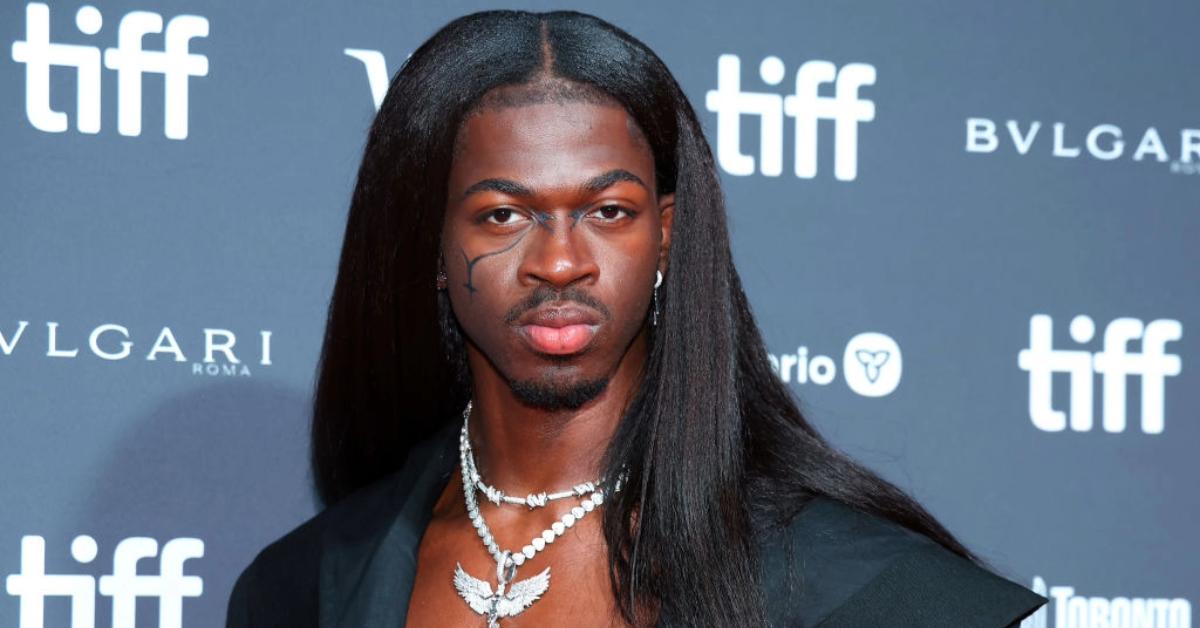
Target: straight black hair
(716,447)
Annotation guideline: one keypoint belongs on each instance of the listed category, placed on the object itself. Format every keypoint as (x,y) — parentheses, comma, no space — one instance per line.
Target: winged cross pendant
(495,606)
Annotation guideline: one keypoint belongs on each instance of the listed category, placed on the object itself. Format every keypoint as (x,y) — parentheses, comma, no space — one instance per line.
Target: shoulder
(281,586)
(835,566)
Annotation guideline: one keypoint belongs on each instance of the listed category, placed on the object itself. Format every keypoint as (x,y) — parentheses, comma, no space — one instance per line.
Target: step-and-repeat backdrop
(969,230)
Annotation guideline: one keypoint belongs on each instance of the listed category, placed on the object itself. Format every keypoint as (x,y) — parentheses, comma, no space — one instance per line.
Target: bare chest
(578,594)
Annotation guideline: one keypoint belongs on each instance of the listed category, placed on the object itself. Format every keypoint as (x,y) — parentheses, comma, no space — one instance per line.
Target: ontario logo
(871,364)
(112,342)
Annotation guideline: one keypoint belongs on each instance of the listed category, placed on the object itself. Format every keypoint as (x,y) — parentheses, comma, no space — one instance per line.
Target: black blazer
(353,565)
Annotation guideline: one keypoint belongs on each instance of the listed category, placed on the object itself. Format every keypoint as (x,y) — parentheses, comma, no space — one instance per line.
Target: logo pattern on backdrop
(114,342)
(130,61)
(806,106)
(1069,609)
(806,118)
(1104,142)
(871,365)
(1115,363)
(32,585)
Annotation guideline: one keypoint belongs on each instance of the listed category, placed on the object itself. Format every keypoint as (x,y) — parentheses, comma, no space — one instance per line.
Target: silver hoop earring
(441,280)
(658,279)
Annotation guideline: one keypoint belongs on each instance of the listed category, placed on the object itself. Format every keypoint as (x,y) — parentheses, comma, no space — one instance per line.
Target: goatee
(557,396)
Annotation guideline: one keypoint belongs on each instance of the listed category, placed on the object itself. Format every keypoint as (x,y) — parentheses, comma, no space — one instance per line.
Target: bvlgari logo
(209,351)
(1178,149)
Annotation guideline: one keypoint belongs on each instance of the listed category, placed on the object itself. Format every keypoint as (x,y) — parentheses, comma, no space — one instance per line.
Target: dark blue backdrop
(968,229)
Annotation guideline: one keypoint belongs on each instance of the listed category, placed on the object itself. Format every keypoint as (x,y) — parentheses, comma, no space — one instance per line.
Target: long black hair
(715,446)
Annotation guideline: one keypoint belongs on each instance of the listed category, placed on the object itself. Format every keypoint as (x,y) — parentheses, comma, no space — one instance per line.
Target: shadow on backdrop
(225,463)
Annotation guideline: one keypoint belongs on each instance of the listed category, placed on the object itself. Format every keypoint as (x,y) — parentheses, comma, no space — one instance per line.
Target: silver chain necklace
(532,500)
(510,598)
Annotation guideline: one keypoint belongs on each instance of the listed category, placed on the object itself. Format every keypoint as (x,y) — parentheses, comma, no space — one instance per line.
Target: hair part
(544,89)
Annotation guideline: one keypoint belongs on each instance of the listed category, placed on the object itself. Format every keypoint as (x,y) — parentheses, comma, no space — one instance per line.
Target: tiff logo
(129,59)
(806,105)
(125,585)
(1115,363)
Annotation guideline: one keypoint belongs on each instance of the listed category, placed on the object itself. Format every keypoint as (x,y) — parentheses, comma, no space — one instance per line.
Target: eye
(503,216)
(612,213)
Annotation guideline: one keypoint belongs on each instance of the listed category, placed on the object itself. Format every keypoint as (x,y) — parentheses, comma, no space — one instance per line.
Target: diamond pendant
(501,603)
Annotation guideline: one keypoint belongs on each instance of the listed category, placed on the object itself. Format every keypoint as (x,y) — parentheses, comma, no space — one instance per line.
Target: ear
(666,218)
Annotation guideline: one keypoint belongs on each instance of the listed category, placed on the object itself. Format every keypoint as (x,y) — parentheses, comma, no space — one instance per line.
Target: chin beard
(548,395)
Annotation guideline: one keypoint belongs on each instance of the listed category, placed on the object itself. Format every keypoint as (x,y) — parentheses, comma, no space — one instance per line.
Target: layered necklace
(510,596)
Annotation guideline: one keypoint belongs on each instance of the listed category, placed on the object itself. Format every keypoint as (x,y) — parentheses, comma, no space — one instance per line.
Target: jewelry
(533,500)
(510,598)
(658,279)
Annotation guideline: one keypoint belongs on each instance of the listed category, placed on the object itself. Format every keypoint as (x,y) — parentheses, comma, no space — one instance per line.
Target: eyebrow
(596,184)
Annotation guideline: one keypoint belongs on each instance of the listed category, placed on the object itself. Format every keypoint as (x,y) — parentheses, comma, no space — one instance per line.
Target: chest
(578,595)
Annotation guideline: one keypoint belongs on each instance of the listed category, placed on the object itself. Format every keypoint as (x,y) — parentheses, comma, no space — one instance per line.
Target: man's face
(552,236)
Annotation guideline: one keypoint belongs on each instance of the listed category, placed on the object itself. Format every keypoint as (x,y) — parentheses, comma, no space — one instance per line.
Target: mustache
(546,294)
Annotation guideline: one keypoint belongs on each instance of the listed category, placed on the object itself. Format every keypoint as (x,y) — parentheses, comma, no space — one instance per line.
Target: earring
(657,282)
(441,280)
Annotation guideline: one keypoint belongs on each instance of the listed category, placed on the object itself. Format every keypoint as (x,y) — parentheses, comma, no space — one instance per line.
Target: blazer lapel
(369,560)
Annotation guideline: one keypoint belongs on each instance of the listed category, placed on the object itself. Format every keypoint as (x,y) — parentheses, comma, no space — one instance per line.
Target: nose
(558,256)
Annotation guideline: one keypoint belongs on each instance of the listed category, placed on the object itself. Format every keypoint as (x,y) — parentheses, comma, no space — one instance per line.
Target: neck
(521,449)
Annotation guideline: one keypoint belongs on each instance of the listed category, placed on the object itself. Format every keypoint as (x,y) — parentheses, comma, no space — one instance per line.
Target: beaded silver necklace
(511,598)
(532,500)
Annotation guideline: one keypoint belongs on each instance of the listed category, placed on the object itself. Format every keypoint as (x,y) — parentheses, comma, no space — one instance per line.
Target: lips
(559,330)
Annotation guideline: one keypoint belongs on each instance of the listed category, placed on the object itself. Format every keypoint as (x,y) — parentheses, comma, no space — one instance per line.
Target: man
(543,399)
